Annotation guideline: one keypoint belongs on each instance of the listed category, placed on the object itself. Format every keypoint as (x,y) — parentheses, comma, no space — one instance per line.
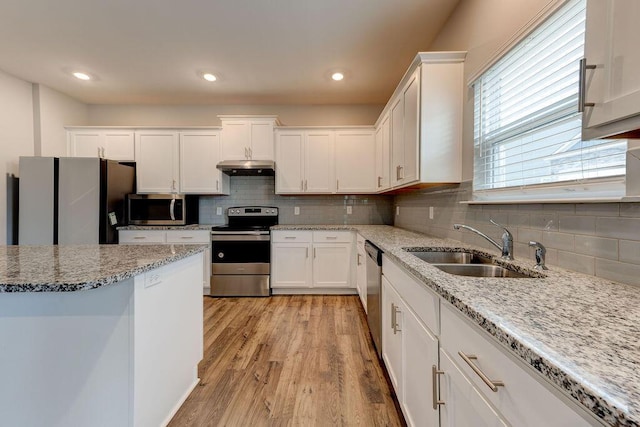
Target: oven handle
(237,237)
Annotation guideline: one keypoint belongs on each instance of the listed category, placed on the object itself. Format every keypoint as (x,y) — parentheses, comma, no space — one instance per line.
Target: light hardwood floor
(288,361)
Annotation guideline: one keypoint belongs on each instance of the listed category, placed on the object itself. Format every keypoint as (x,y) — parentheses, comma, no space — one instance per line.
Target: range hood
(247,167)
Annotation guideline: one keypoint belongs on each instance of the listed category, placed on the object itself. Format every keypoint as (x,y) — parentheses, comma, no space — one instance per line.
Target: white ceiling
(263,51)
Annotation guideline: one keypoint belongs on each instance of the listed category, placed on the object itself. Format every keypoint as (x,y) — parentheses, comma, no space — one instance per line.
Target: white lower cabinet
(311,259)
(173,236)
(409,351)
(361,271)
(462,404)
(477,382)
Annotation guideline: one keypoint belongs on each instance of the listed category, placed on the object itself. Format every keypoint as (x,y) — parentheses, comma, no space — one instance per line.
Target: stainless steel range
(241,252)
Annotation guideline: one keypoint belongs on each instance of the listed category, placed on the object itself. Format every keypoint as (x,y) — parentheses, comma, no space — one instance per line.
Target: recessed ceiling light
(81,76)
(337,76)
(209,77)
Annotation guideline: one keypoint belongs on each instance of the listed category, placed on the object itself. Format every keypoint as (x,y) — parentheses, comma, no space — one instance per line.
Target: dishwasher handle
(373,252)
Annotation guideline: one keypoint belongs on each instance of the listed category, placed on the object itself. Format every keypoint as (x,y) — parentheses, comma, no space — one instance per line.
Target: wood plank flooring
(302,360)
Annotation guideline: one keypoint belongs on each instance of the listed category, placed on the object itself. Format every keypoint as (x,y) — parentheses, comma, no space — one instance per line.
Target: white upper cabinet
(318,162)
(247,137)
(355,161)
(425,117)
(157,161)
(112,144)
(305,161)
(199,155)
(383,150)
(611,45)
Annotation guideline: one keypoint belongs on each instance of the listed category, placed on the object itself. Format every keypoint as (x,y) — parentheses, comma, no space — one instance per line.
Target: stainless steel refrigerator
(72,200)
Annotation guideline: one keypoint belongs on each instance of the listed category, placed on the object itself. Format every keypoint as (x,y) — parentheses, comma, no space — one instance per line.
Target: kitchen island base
(125,354)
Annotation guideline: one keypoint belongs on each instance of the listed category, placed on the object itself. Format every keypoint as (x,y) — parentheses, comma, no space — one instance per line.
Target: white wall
(482,27)
(56,110)
(16,139)
(206,115)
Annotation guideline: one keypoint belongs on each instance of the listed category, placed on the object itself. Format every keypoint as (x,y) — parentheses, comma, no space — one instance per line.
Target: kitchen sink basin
(479,270)
(440,257)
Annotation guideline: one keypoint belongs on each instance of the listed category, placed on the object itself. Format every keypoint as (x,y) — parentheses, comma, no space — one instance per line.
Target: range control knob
(220,255)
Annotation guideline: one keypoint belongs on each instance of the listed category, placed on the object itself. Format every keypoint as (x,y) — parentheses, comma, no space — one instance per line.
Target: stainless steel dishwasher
(374,294)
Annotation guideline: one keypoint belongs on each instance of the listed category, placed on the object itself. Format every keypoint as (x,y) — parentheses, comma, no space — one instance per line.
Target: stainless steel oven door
(240,264)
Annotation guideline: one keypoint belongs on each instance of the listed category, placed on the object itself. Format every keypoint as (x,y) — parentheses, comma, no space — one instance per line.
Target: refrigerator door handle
(172,209)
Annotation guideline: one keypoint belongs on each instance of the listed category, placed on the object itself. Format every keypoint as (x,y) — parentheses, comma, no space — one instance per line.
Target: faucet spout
(507,239)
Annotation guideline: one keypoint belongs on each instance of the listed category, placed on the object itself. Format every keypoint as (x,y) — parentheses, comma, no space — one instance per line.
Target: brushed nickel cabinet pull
(305,185)
(379,181)
(394,318)
(302,185)
(582,87)
(493,385)
(401,170)
(434,379)
(337,184)
(314,252)
(358,261)
(306,252)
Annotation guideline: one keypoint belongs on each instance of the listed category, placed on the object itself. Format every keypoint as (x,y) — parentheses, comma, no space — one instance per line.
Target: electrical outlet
(218,210)
(397,210)
(349,210)
(430,212)
(296,210)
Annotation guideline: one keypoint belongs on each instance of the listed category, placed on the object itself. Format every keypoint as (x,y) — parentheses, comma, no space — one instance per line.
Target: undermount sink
(479,270)
(465,264)
(441,257)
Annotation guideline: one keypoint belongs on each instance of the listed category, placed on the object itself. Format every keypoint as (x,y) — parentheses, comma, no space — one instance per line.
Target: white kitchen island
(99,335)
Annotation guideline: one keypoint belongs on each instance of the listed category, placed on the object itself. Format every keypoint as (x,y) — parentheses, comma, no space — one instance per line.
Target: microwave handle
(172,209)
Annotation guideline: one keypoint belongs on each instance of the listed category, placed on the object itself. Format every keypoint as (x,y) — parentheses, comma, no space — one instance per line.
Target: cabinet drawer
(424,302)
(142,236)
(290,236)
(188,236)
(522,397)
(332,236)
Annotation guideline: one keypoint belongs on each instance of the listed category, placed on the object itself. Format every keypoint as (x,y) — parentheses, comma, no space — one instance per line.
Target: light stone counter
(581,332)
(81,267)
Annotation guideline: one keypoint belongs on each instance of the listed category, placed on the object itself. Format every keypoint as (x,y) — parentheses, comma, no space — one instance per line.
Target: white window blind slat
(527,129)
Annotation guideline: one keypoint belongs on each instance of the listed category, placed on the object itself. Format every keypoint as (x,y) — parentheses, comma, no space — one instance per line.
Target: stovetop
(248,218)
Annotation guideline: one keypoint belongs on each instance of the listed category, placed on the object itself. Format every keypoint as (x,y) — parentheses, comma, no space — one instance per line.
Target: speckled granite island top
(580,332)
(81,267)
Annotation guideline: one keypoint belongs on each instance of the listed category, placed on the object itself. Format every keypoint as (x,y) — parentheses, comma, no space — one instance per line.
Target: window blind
(527,129)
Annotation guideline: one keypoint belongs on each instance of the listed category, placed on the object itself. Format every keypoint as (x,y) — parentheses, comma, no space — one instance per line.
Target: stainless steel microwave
(162,209)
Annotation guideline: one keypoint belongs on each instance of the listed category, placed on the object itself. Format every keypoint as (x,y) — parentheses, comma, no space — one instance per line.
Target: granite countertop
(167,227)
(581,332)
(81,267)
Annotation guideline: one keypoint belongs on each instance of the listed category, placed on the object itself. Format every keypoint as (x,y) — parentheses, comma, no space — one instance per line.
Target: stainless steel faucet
(507,239)
(541,251)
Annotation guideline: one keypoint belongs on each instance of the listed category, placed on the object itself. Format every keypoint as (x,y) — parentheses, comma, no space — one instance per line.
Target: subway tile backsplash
(325,209)
(601,239)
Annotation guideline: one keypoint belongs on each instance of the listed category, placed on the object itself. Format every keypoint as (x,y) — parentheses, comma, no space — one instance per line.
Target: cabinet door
(463,404)
(332,265)
(361,275)
(289,162)
(611,44)
(261,147)
(199,154)
(392,318)
(85,144)
(420,354)
(355,161)
(318,162)
(236,137)
(383,150)
(119,145)
(397,135)
(157,162)
(291,265)
(411,129)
